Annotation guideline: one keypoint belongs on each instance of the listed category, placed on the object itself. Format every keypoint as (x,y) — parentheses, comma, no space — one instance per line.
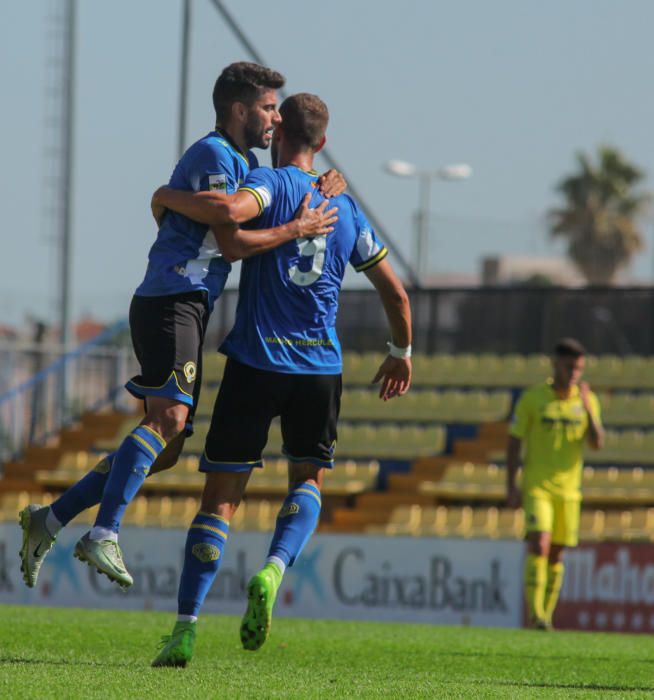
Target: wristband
(399,353)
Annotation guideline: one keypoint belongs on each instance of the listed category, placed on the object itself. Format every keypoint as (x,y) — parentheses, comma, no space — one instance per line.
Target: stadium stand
(430,463)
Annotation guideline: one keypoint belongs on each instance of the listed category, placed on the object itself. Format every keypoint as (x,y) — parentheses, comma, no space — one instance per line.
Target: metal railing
(32,410)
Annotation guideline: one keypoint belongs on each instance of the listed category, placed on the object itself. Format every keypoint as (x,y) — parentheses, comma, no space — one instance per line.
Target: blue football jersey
(184,256)
(288,297)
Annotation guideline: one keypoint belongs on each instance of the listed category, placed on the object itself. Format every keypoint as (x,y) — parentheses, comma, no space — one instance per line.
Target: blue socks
(204,548)
(296,522)
(208,533)
(131,465)
(86,493)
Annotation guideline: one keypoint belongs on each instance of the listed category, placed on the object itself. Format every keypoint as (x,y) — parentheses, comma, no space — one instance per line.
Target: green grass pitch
(72,653)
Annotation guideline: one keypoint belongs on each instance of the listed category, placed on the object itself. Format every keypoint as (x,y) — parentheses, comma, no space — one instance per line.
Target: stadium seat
(483,523)
(616,522)
(605,371)
(513,372)
(256,515)
(538,369)
(13,502)
(591,525)
(510,524)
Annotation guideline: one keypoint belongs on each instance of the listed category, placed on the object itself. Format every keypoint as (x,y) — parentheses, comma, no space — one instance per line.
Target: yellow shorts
(545,512)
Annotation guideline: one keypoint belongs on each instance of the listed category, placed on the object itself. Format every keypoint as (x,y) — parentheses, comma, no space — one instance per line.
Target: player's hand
(332,183)
(584,394)
(317,221)
(513,497)
(395,376)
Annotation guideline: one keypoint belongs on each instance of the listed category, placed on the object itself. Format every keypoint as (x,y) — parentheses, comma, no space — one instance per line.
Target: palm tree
(598,218)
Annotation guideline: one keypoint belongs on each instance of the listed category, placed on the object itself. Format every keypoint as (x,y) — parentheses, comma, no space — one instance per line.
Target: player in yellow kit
(554,420)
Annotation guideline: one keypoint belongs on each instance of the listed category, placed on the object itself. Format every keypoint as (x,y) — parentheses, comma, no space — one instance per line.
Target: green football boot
(106,557)
(177,649)
(262,591)
(37,541)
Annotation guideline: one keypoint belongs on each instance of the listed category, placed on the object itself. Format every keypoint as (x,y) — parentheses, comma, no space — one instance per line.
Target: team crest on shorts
(205,552)
(190,372)
(289,509)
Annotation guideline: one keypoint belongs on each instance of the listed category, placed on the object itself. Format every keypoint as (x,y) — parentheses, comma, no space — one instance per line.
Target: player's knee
(301,472)
(539,543)
(168,420)
(223,492)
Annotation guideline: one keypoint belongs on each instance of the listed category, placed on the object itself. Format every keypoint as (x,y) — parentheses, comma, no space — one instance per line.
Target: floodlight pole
(184,79)
(67,163)
(401,168)
(422,221)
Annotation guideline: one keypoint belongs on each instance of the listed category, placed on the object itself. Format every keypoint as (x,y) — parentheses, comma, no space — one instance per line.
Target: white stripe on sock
(103,533)
(278,563)
(187,618)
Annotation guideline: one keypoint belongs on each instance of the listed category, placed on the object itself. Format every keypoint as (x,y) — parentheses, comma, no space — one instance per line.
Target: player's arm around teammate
(224,213)
(214,209)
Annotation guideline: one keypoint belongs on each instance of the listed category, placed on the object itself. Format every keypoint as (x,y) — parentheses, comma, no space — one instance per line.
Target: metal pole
(183,85)
(67,165)
(422,242)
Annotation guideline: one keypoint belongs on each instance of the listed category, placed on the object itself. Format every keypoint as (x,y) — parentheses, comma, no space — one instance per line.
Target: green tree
(598,218)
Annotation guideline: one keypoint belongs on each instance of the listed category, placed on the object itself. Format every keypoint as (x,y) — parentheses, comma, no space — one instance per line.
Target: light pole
(400,168)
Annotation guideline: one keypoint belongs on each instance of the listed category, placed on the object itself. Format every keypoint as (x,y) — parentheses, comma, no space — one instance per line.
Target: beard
(254,133)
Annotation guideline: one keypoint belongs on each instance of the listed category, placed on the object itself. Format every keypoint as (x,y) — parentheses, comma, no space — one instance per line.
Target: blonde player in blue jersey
(284,359)
(187,270)
(554,420)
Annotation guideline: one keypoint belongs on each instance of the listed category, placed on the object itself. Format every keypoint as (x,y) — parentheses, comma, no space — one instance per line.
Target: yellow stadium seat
(483,523)
(510,524)
(538,369)
(591,524)
(489,370)
(514,371)
(616,522)
(13,502)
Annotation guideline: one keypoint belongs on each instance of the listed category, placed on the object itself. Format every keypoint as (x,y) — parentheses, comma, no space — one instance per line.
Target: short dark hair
(242,82)
(304,119)
(569,347)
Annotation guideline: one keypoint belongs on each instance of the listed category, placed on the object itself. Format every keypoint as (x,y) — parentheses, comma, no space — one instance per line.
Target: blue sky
(512,87)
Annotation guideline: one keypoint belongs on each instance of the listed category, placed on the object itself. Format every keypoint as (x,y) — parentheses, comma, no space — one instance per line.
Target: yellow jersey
(553,431)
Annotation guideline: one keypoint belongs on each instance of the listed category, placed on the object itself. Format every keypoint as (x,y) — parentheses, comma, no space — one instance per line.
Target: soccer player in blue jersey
(284,359)
(169,312)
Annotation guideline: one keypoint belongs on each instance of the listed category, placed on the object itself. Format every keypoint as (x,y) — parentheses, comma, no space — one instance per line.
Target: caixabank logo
(433,584)
(303,580)
(350,577)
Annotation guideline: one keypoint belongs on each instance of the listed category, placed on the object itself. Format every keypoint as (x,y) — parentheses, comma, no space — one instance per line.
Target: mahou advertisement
(608,587)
